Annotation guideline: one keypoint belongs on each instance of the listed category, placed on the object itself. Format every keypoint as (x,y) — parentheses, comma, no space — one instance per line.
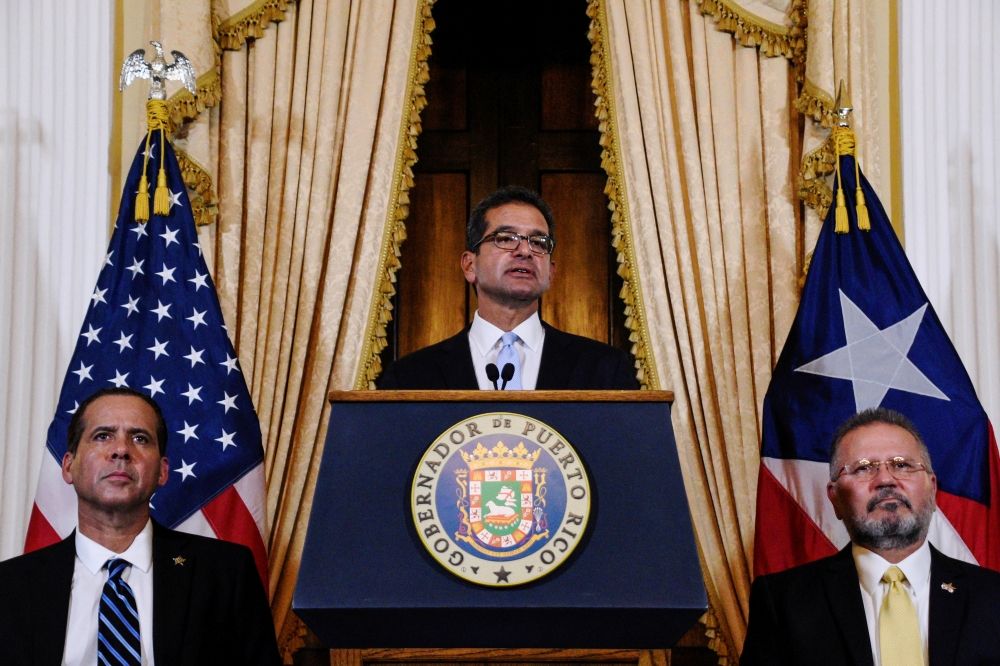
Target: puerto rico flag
(154,324)
(866,336)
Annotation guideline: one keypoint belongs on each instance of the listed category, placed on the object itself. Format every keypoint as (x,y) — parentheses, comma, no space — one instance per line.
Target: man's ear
(67,461)
(164,472)
(468,262)
(831,493)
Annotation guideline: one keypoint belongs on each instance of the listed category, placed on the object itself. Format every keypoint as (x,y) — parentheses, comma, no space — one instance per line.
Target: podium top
(501,396)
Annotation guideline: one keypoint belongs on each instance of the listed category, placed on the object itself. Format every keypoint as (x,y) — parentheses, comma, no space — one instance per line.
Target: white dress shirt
(89,577)
(917,569)
(485,344)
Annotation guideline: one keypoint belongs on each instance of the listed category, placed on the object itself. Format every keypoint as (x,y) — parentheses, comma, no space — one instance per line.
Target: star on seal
(179,560)
(502,575)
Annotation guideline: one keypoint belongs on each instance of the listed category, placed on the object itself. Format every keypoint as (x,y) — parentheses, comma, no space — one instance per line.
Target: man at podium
(508,260)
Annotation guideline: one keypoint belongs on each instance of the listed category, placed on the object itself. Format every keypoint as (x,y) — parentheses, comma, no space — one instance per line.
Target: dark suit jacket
(568,362)
(813,614)
(211,609)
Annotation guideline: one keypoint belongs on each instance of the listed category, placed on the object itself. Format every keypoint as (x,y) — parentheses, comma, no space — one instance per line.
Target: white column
(55,123)
(949,98)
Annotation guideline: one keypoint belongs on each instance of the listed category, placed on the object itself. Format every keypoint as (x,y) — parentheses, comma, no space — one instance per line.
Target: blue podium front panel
(367,580)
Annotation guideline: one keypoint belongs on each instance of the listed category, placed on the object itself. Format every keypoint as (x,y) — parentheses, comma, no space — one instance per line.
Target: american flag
(866,336)
(154,324)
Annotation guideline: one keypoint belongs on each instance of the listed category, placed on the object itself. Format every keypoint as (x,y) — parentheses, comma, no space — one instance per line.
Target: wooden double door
(509,102)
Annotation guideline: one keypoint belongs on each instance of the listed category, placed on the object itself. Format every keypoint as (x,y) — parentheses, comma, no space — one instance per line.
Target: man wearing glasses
(508,259)
(889,598)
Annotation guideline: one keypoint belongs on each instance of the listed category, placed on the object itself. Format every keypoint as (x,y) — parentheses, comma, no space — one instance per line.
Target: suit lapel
(171,592)
(843,592)
(53,586)
(556,364)
(947,608)
(457,368)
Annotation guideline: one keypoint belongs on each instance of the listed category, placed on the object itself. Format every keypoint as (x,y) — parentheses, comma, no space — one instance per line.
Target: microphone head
(508,372)
(491,372)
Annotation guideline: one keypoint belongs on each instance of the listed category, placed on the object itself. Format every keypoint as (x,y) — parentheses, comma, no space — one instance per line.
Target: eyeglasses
(865,470)
(510,241)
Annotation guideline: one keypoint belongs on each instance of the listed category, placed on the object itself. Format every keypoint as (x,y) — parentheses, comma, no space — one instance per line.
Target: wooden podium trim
(482,657)
(501,396)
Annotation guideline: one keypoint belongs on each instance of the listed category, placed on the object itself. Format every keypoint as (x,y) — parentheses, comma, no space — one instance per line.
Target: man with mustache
(889,598)
(122,589)
(508,259)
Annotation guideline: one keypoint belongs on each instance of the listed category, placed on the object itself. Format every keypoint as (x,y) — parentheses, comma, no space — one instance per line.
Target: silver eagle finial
(136,67)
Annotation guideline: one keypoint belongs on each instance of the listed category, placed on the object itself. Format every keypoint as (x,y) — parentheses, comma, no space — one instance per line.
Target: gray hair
(870,417)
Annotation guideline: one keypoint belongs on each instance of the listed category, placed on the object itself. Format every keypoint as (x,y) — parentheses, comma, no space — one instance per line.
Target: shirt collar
(484,335)
(139,554)
(916,567)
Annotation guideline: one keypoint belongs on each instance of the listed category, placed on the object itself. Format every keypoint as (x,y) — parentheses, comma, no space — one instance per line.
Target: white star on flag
(123,342)
(192,394)
(167,274)
(159,348)
(136,268)
(175,200)
(186,470)
(98,296)
(76,406)
(107,259)
(162,311)
(228,402)
(875,360)
(230,364)
(195,357)
(197,318)
(91,334)
(171,235)
(226,439)
(199,280)
(154,386)
(197,245)
(139,231)
(83,372)
(131,305)
(119,379)
(188,431)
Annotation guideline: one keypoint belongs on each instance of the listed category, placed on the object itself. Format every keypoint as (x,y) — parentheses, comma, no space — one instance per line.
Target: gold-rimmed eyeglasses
(866,470)
(510,241)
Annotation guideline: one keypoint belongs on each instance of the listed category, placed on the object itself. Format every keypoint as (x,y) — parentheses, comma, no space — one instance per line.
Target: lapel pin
(180,560)
(948,586)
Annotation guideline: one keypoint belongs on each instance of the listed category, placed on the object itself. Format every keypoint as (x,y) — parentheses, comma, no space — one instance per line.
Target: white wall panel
(949,65)
(55,122)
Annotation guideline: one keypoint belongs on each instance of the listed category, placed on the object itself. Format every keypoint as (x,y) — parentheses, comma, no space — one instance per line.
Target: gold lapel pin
(180,560)
(948,586)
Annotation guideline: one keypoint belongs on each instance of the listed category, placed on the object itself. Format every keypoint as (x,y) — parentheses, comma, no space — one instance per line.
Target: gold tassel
(864,223)
(842,226)
(142,200)
(157,116)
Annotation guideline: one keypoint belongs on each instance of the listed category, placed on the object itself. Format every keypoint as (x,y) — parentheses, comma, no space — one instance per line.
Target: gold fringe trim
(749,29)
(814,188)
(292,637)
(716,639)
(249,23)
(184,106)
(204,203)
(814,102)
(611,162)
(380,311)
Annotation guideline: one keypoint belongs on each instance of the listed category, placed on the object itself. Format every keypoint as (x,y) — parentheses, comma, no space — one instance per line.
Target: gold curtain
(703,151)
(302,146)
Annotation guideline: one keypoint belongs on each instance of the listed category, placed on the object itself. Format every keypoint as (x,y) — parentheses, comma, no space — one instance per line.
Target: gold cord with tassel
(845,142)
(157,117)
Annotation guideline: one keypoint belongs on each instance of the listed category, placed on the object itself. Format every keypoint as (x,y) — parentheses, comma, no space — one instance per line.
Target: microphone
(492,374)
(507,374)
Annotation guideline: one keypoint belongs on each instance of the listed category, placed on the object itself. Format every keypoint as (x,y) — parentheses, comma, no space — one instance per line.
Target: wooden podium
(369,588)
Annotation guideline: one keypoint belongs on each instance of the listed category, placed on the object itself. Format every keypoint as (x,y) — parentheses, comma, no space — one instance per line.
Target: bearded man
(889,598)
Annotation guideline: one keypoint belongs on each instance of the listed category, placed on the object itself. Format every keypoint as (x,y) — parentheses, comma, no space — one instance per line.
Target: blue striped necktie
(118,627)
(508,354)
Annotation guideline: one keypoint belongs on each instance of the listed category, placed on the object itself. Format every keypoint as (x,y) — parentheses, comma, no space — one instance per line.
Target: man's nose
(523,248)
(883,478)
(120,449)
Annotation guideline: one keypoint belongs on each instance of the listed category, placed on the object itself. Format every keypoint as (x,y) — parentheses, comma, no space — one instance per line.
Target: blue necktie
(508,354)
(118,626)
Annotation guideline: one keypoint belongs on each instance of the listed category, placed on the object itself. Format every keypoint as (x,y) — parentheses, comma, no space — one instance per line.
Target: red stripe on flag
(977,524)
(40,532)
(232,521)
(785,535)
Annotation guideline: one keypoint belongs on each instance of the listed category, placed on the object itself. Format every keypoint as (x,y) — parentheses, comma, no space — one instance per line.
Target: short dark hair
(870,417)
(75,432)
(476,229)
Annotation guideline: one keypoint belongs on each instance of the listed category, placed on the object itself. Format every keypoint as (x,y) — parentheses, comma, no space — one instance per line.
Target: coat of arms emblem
(500,499)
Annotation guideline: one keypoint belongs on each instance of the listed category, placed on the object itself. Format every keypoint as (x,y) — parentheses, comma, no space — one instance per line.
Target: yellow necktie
(898,627)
